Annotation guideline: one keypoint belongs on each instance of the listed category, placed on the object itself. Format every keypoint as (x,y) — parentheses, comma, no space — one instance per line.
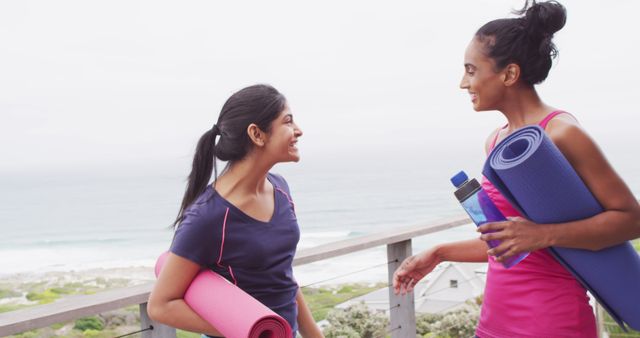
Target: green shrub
(89,323)
(62,291)
(458,323)
(47,296)
(356,321)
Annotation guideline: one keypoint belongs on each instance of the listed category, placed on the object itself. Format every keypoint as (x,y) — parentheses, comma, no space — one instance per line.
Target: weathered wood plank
(71,308)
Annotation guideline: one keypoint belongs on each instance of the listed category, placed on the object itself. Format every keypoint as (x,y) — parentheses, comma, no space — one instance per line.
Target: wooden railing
(398,242)
(402,312)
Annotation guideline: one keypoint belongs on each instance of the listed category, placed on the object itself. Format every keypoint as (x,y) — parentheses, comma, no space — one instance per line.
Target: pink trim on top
(548,118)
(288,198)
(542,124)
(495,139)
(224,228)
(235,282)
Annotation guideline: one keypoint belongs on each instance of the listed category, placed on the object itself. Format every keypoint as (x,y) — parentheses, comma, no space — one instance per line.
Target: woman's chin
(294,157)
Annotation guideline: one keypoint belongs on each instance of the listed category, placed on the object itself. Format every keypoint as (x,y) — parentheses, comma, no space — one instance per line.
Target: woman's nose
(464,84)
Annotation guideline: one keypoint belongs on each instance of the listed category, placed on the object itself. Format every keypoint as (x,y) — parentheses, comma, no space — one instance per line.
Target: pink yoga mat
(230,310)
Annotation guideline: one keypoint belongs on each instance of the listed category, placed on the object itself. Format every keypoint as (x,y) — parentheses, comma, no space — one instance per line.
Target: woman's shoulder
(205,208)
(572,140)
(278,181)
(564,128)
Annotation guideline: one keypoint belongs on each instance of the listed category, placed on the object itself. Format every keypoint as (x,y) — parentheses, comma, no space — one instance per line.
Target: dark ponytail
(201,167)
(527,40)
(259,104)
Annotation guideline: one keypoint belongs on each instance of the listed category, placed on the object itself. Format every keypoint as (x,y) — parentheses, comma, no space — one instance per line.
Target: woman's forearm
(306,325)
(178,314)
(598,232)
(473,250)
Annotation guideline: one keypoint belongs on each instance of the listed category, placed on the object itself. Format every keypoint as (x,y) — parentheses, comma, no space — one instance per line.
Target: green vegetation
(89,323)
(457,323)
(186,334)
(636,244)
(105,325)
(321,300)
(11,307)
(28,334)
(91,333)
(615,331)
(47,296)
(4,293)
(356,321)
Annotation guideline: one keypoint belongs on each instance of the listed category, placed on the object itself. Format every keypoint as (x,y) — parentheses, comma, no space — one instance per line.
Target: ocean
(109,218)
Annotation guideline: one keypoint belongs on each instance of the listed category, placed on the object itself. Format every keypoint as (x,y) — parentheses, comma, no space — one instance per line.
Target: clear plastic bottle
(480,208)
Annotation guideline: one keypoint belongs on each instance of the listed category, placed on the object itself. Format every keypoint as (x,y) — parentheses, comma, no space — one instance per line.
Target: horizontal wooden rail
(74,307)
(71,308)
(395,235)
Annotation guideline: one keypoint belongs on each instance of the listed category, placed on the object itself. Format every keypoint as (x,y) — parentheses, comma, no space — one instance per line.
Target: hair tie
(215,130)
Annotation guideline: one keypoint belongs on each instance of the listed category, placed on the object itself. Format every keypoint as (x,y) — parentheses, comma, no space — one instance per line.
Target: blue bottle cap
(459,178)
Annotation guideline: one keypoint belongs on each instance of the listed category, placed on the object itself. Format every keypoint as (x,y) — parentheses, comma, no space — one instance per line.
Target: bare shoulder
(576,145)
(566,133)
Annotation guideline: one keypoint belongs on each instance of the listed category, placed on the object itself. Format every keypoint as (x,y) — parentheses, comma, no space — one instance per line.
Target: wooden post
(401,308)
(159,330)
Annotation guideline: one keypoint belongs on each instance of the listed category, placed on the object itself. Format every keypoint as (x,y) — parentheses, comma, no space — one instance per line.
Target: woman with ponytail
(537,297)
(242,225)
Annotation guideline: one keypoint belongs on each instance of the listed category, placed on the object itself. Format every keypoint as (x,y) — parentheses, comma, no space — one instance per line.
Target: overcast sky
(87,83)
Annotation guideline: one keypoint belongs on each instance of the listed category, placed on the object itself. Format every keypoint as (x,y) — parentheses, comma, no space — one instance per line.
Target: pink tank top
(535,298)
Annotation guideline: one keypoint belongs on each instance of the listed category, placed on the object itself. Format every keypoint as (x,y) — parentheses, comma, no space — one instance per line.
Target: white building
(446,288)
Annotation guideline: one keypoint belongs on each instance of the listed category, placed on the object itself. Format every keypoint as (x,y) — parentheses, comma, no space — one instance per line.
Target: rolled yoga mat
(531,172)
(230,310)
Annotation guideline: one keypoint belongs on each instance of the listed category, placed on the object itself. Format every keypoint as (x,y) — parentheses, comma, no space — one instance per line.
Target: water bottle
(480,208)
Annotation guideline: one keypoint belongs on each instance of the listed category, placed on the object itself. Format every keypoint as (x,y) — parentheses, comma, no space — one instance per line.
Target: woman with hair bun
(537,297)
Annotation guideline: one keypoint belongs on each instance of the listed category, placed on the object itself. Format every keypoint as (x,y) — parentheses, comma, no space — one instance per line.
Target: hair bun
(543,19)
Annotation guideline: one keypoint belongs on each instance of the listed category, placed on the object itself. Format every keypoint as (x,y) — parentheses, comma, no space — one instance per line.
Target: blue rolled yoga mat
(531,172)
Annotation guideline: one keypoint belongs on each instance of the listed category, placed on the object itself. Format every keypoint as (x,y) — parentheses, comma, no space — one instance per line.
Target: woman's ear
(511,74)
(257,136)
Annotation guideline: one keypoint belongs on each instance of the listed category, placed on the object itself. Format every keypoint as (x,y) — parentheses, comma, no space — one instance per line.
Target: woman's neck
(247,176)
(524,107)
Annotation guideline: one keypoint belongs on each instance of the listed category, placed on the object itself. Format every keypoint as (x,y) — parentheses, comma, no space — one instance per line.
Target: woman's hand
(413,269)
(517,235)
